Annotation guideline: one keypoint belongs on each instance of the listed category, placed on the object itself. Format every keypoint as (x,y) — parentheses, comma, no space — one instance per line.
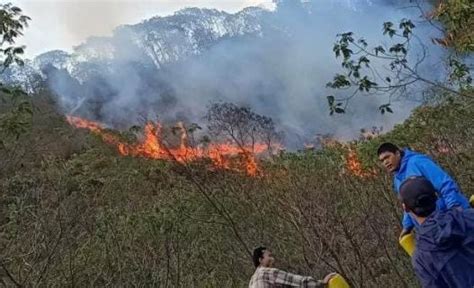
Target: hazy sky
(62,24)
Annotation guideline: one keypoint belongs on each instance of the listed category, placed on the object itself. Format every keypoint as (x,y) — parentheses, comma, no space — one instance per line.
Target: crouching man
(266,276)
(444,254)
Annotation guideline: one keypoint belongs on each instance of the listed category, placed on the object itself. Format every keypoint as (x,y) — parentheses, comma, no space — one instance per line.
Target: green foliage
(457,17)
(460,74)
(360,76)
(357,61)
(12,23)
(75,213)
(15,117)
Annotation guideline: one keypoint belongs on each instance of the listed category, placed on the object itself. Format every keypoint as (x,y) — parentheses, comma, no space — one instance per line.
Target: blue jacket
(444,254)
(416,164)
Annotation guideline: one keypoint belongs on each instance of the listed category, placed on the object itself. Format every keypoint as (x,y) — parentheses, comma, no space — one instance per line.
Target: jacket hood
(407,155)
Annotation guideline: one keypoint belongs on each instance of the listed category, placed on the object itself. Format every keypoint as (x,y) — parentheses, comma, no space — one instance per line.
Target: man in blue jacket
(406,163)
(444,253)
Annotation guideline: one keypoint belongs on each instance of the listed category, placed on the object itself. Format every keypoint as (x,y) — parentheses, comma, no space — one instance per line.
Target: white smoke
(282,74)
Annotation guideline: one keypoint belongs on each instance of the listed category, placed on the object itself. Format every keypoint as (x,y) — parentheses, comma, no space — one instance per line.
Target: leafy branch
(360,76)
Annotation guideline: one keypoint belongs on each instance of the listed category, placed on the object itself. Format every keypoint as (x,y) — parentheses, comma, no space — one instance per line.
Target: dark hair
(257,254)
(419,196)
(387,147)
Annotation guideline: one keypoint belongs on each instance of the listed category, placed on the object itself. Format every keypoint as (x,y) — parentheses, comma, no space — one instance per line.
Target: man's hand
(404,232)
(328,277)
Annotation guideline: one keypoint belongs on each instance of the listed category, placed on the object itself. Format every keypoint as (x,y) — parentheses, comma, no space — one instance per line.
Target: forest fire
(84,124)
(223,155)
(354,165)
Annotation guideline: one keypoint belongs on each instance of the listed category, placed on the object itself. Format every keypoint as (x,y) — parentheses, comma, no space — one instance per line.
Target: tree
(12,23)
(15,116)
(360,76)
(242,126)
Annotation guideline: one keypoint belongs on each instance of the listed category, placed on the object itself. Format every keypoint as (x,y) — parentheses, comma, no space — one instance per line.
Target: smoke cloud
(281,73)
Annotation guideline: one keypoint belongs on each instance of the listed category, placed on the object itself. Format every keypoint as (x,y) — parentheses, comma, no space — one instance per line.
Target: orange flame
(355,167)
(225,156)
(85,124)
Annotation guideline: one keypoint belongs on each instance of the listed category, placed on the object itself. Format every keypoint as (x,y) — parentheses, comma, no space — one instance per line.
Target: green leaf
(347,37)
(15,9)
(337,50)
(19,62)
(387,25)
(330,100)
(18,50)
(407,27)
(385,108)
(379,49)
(366,84)
(388,29)
(364,60)
(363,42)
(346,52)
(340,81)
(398,48)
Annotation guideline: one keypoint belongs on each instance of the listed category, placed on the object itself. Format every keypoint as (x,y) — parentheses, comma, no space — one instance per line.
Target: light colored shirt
(275,278)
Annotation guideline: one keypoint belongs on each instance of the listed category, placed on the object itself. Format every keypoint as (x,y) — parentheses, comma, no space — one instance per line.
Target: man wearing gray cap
(444,254)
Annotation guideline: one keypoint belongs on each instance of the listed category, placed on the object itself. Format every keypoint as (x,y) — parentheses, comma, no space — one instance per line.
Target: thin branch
(9,275)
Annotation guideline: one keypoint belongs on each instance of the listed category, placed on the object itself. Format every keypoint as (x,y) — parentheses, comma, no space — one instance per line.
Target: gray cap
(418,195)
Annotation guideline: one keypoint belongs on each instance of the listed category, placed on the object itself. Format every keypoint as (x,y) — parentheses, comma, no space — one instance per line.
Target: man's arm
(292,280)
(407,223)
(442,182)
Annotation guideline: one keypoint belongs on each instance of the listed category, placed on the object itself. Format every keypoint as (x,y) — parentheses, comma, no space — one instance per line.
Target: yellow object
(472,201)
(408,243)
(338,282)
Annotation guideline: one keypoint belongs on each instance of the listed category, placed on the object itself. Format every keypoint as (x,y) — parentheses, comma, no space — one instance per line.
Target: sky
(62,24)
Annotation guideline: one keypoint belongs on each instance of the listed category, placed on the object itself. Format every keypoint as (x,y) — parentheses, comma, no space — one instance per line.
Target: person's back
(444,255)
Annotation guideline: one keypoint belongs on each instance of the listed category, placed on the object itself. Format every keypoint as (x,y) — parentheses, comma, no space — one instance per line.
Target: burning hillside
(228,156)
(222,155)
(354,166)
